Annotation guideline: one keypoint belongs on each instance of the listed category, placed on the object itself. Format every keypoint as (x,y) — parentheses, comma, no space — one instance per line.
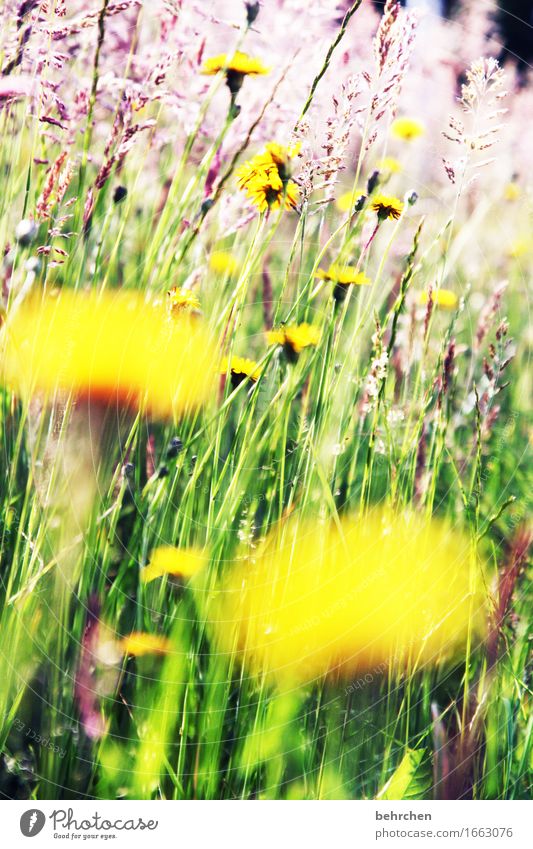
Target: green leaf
(410,780)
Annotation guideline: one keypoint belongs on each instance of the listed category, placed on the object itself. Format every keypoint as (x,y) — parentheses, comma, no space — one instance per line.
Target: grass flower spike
(387,207)
(323,599)
(407,129)
(114,349)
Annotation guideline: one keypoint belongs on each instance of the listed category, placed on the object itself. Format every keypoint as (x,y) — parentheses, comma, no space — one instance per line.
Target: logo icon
(32,822)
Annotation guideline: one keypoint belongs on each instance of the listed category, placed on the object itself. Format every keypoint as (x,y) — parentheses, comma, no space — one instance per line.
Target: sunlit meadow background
(119,167)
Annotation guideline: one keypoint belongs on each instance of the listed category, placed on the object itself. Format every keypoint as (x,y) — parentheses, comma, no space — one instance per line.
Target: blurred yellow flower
(182,300)
(444,298)
(390,165)
(512,191)
(240,368)
(325,598)
(407,129)
(240,63)
(223,262)
(169,560)
(387,206)
(112,348)
(344,275)
(294,338)
(344,201)
(139,644)
(236,68)
(520,247)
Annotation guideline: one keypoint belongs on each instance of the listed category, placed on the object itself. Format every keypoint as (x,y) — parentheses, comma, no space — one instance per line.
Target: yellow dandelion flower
(112,348)
(236,68)
(344,201)
(223,262)
(266,178)
(266,190)
(444,298)
(407,129)
(387,206)
(327,599)
(139,644)
(239,63)
(168,560)
(344,275)
(520,247)
(390,165)
(294,338)
(512,191)
(240,368)
(182,300)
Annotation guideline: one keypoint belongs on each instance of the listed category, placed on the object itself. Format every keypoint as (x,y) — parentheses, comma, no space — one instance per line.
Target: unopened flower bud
(25,231)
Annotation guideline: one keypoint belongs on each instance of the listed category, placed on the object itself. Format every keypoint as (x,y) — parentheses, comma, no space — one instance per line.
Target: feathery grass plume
(480,99)
(112,348)
(335,598)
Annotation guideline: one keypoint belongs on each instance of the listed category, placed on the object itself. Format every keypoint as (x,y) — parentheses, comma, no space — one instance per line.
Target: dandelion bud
(412,198)
(252,11)
(129,470)
(25,231)
(359,204)
(119,194)
(174,448)
(33,265)
(373,181)
(206,206)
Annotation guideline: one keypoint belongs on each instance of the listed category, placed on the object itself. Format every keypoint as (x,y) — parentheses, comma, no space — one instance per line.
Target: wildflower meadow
(265,401)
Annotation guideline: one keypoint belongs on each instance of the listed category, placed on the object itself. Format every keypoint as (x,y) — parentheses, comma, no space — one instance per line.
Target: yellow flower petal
(239,63)
(139,644)
(444,298)
(169,560)
(407,129)
(223,262)
(320,598)
(112,348)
